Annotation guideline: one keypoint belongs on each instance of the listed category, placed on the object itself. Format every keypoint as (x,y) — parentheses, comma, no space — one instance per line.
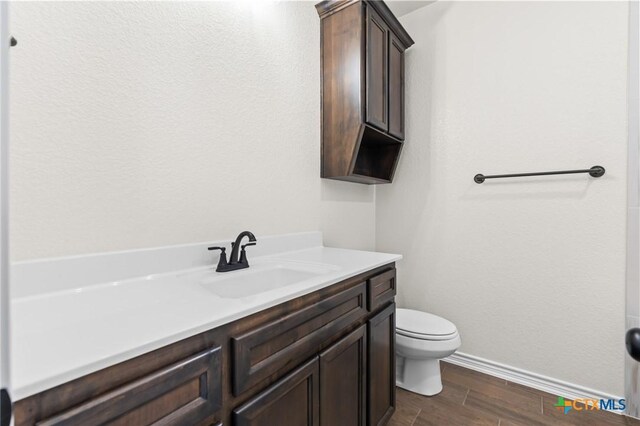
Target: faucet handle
(243,253)
(222,261)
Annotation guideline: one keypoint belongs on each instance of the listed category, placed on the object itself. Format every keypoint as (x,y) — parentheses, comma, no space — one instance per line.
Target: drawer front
(187,392)
(279,345)
(381,289)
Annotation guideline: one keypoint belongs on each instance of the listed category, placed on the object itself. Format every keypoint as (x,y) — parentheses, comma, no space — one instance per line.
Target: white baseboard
(527,378)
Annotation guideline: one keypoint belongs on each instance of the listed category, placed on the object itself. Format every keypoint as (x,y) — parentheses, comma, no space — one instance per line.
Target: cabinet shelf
(377,158)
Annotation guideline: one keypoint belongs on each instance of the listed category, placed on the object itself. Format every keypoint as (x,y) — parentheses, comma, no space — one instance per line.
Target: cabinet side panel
(341,50)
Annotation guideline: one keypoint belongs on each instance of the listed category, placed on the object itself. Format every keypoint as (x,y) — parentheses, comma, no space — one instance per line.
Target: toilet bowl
(422,339)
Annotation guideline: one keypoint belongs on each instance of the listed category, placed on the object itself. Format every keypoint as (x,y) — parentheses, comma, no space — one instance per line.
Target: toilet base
(421,376)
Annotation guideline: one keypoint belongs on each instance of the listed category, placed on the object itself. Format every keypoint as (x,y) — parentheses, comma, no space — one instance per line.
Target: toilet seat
(420,336)
(424,326)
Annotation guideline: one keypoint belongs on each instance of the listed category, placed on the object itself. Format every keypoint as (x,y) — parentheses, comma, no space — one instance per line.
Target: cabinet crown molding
(327,7)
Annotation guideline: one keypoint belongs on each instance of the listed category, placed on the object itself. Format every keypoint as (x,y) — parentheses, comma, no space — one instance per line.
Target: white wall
(155,123)
(532,271)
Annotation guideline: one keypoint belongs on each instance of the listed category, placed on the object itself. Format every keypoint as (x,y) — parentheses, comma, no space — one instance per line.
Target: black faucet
(234,264)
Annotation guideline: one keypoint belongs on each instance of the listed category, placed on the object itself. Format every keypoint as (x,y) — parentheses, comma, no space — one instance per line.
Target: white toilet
(422,339)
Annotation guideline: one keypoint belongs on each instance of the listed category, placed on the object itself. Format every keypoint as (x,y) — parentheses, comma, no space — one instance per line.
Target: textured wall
(154,123)
(531,271)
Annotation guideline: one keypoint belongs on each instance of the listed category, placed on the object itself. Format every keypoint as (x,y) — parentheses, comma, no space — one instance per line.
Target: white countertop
(62,335)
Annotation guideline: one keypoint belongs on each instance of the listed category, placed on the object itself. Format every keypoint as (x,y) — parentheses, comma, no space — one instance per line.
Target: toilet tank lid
(423,323)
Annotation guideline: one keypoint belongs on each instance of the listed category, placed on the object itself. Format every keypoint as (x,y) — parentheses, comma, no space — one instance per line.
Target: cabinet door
(343,381)
(292,401)
(377,49)
(396,88)
(382,366)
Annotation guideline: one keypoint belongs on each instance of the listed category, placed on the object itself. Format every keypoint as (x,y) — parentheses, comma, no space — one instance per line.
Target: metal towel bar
(595,171)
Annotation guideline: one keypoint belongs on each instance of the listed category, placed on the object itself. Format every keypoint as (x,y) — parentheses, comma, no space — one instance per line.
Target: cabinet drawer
(279,345)
(381,289)
(187,392)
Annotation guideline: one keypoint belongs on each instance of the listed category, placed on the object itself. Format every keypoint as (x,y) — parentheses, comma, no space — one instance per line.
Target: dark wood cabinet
(343,381)
(382,367)
(362,56)
(187,392)
(274,346)
(291,401)
(328,390)
(396,87)
(377,82)
(381,289)
(325,358)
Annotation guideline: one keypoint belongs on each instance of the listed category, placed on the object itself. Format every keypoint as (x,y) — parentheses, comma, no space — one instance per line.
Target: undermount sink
(263,278)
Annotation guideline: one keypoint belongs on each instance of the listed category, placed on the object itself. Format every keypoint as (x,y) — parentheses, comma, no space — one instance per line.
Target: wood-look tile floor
(472,398)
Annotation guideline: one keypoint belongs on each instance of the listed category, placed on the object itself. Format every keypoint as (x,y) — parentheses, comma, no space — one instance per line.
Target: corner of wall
(632,305)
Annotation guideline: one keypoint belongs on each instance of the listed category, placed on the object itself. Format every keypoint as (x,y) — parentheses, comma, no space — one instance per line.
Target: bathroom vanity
(322,353)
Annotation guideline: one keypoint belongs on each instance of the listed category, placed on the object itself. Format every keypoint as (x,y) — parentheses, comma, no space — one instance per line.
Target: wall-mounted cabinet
(362,53)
